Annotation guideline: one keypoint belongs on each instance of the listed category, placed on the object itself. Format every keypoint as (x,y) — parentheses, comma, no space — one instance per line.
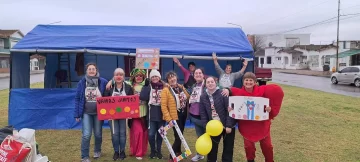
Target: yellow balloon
(214,127)
(203,144)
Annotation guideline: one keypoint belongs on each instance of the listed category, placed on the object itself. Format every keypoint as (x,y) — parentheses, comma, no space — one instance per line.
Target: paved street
(34,78)
(316,83)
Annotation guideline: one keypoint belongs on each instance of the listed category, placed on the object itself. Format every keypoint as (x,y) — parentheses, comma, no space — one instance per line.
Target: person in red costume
(255,131)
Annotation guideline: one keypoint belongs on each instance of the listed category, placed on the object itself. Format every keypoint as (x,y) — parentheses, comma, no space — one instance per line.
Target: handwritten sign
(147,58)
(248,108)
(118,107)
(162,132)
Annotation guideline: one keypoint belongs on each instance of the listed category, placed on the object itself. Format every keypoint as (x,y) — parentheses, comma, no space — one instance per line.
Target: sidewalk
(304,72)
(7,75)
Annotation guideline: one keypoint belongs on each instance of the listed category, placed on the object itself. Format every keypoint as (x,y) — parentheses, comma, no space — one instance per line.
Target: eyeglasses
(91,69)
(138,76)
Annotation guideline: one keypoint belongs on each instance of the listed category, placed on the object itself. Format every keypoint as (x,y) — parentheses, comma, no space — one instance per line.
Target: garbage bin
(326,68)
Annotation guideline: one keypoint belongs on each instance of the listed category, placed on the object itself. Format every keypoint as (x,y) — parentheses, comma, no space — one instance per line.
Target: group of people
(201,99)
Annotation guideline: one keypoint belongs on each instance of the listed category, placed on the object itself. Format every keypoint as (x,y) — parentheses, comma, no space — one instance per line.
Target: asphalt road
(34,78)
(316,83)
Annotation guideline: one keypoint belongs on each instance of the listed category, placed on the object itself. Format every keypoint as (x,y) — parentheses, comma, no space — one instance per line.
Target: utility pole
(337,39)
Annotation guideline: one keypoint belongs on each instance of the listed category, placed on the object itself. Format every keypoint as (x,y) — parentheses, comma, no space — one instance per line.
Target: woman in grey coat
(227,78)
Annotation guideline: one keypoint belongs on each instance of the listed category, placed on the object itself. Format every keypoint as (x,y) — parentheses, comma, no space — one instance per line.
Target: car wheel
(334,80)
(357,82)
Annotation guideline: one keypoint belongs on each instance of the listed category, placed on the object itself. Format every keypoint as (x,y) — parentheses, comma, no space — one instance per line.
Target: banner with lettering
(118,107)
(147,58)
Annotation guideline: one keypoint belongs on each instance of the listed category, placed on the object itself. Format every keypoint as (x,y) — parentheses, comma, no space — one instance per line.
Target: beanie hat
(154,72)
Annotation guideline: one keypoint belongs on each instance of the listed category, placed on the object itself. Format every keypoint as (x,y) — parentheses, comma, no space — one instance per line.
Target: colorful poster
(118,107)
(162,132)
(147,58)
(248,108)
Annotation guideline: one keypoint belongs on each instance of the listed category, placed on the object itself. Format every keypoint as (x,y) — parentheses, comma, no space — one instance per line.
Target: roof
(290,50)
(8,33)
(347,53)
(202,41)
(313,47)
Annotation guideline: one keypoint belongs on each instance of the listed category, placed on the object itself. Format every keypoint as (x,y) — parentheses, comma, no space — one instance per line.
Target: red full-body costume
(254,131)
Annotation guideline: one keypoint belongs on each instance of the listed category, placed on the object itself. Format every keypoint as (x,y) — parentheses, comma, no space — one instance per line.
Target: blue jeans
(154,136)
(199,129)
(90,123)
(118,137)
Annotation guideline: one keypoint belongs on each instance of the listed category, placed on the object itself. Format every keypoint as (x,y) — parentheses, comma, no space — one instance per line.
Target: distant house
(8,39)
(349,56)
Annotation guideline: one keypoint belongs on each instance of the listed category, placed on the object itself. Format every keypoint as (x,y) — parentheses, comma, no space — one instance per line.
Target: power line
(296,12)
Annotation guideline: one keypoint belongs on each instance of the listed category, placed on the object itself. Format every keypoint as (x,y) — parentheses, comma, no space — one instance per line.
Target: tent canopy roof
(201,41)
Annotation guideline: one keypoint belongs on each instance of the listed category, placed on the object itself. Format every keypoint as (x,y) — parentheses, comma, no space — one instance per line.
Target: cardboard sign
(162,132)
(248,108)
(147,58)
(118,107)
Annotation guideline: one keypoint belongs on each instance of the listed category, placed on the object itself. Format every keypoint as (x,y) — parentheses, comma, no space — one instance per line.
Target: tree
(258,43)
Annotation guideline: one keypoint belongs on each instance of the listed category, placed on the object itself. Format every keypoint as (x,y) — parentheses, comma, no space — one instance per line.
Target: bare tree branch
(258,43)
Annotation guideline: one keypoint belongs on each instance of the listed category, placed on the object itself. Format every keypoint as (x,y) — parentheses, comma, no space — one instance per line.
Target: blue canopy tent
(110,47)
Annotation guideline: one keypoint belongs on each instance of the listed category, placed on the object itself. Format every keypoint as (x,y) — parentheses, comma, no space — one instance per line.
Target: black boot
(251,160)
(159,155)
(152,154)
(122,155)
(116,156)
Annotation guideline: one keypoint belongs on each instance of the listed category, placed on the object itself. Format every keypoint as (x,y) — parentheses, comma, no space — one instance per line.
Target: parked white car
(350,74)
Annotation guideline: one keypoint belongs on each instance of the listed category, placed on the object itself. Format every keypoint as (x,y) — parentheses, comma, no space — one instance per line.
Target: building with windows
(8,39)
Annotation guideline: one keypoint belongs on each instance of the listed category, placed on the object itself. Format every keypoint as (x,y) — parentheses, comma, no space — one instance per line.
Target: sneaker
(197,157)
(159,155)
(97,155)
(152,155)
(139,158)
(85,160)
(122,155)
(116,156)
(251,160)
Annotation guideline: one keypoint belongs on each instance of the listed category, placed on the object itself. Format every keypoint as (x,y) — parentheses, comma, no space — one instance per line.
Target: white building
(312,57)
(283,40)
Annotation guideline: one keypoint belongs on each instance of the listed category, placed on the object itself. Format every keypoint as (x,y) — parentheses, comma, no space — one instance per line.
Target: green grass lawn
(312,126)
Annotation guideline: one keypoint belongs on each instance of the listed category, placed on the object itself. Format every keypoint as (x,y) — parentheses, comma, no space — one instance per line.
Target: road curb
(303,74)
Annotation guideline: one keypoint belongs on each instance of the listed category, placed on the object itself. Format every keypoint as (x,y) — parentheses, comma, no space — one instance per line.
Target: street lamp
(235,25)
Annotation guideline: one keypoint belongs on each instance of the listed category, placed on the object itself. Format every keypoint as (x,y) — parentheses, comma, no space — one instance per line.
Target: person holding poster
(138,126)
(227,78)
(151,94)
(213,106)
(194,101)
(255,131)
(118,127)
(88,89)
(173,106)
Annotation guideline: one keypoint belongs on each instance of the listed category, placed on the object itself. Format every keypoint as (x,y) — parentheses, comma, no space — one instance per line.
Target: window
(346,70)
(268,60)
(344,45)
(354,70)
(2,43)
(279,58)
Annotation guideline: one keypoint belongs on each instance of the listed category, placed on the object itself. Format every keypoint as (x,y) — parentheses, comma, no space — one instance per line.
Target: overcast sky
(255,16)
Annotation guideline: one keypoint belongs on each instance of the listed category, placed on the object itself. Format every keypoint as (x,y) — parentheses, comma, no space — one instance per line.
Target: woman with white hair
(118,127)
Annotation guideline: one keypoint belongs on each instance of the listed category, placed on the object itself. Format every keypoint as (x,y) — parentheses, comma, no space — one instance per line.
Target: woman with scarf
(151,94)
(214,106)
(173,107)
(88,89)
(194,105)
(118,127)
(138,126)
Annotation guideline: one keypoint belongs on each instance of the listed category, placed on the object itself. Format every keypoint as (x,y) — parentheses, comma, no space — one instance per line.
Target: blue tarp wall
(52,108)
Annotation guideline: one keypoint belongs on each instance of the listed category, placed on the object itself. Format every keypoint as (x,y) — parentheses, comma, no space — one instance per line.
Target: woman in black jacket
(151,94)
(119,135)
(214,106)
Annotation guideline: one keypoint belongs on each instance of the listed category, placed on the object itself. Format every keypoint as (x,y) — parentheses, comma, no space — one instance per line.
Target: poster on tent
(163,132)
(147,58)
(118,107)
(248,108)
